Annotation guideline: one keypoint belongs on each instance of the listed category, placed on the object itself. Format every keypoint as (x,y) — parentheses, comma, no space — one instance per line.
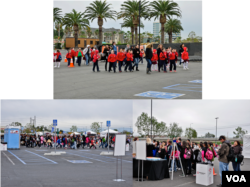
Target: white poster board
(120,145)
(134,146)
(141,150)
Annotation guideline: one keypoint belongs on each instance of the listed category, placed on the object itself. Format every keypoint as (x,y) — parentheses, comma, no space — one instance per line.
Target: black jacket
(181,51)
(159,52)
(149,53)
(136,55)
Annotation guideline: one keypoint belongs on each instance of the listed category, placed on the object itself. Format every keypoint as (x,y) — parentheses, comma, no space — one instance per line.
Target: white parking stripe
(9,159)
(42,157)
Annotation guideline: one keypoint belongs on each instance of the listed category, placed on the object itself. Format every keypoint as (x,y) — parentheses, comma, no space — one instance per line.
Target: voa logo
(236,178)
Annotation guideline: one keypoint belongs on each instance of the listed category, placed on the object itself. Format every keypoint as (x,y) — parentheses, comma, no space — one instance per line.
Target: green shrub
(57,46)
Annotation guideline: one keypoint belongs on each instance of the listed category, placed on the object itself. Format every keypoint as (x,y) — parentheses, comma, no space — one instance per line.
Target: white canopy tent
(90,132)
(136,134)
(111,131)
(246,145)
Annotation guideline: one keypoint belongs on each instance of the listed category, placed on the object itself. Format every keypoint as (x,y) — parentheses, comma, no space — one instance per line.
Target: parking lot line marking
(160,95)
(42,157)
(188,88)
(9,159)
(17,157)
(184,184)
(88,157)
(108,157)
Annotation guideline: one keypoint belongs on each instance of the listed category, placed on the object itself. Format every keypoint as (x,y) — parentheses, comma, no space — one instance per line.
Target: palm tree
(99,10)
(173,26)
(67,30)
(164,9)
(128,23)
(75,19)
(58,26)
(130,9)
(121,34)
(89,32)
(106,35)
(96,33)
(57,14)
(113,35)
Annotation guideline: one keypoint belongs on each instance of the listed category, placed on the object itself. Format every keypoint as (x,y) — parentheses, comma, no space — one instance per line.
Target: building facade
(157,29)
(106,38)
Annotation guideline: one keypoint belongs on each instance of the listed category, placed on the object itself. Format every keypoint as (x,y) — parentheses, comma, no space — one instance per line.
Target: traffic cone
(214,172)
(71,64)
(65,60)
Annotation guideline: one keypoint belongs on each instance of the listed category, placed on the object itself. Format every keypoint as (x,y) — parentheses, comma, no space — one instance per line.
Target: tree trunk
(163,20)
(100,23)
(132,35)
(170,37)
(136,35)
(76,35)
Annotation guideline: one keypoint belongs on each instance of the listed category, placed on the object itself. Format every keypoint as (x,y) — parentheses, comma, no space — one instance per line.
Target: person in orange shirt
(154,60)
(69,56)
(129,60)
(112,59)
(96,57)
(185,58)
(120,58)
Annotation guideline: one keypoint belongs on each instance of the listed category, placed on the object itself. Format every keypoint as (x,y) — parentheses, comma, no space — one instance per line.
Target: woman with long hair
(149,55)
(181,51)
(236,150)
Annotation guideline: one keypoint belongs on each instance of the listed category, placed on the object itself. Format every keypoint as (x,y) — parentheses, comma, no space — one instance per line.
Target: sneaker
(170,71)
(120,71)
(181,175)
(186,68)
(175,71)
(165,71)
(179,65)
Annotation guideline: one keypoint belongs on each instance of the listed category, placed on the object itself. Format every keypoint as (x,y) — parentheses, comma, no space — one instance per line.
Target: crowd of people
(127,59)
(188,153)
(67,141)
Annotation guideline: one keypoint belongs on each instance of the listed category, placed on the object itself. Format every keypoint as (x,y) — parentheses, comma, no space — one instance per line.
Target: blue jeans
(149,62)
(136,62)
(87,58)
(222,167)
(174,165)
(236,166)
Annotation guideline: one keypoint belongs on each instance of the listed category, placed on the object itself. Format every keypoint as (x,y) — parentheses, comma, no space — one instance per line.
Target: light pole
(139,25)
(216,126)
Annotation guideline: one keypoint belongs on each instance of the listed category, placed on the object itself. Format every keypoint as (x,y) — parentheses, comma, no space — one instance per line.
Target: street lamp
(216,126)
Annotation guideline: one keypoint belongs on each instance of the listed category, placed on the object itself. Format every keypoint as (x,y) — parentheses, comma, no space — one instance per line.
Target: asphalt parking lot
(81,167)
(82,83)
(187,181)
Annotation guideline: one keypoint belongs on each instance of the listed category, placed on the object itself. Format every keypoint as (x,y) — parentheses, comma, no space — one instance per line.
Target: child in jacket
(120,58)
(112,61)
(172,60)
(129,60)
(185,58)
(154,60)
(163,58)
(96,57)
(69,56)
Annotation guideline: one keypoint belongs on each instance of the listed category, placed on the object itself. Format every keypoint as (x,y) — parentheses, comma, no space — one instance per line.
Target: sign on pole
(108,123)
(52,130)
(54,122)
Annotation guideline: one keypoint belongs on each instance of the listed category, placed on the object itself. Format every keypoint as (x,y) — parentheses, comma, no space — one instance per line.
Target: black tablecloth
(155,170)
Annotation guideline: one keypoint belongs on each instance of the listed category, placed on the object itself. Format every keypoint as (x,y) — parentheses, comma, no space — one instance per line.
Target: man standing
(114,48)
(86,54)
(223,153)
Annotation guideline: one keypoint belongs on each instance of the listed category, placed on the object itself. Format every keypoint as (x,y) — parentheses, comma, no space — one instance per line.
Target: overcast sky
(201,113)
(191,15)
(68,112)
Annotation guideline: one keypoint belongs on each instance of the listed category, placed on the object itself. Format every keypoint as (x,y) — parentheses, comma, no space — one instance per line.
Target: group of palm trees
(162,10)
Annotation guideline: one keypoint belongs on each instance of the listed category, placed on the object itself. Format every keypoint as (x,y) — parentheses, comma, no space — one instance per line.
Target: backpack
(230,155)
(60,57)
(187,154)
(209,154)
(199,157)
